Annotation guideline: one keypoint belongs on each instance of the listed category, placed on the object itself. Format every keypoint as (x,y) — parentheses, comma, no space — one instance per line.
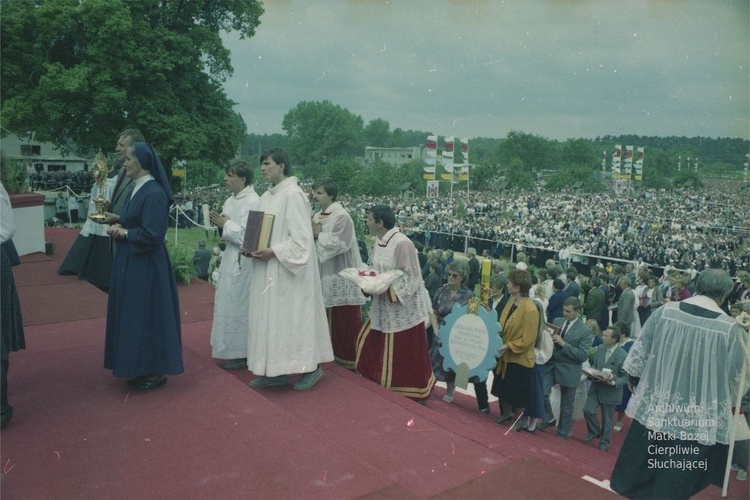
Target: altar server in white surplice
(288,331)
(336,244)
(229,332)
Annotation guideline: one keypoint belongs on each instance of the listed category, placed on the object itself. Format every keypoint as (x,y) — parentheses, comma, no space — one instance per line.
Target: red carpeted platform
(78,433)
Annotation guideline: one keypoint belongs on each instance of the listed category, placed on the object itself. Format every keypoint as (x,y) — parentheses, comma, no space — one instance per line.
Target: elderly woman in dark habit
(143,340)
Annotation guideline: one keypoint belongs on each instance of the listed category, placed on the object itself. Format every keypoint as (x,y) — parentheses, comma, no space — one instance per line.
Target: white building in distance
(393,156)
(40,156)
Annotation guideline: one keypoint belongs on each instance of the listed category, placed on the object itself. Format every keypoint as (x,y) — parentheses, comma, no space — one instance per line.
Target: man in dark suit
(572,288)
(123,184)
(606,391)
(572,344)
(594,302)
(555,306)
(474,266)
(201,259)
(626,304)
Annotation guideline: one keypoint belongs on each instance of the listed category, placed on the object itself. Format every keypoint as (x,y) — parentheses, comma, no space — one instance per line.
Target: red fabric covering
(78,433)
(397,361)
(345,323)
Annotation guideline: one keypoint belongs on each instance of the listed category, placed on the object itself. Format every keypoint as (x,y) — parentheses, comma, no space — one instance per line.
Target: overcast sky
(559,69)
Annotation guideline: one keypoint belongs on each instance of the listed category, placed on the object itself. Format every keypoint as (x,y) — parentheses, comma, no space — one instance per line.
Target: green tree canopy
(84,71)
(321,131)
(518,176)
(571,175)
(377,133)
(536,153)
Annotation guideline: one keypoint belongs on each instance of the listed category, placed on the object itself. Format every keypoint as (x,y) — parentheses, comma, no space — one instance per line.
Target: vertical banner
(628,163)
(747,164)
(639,164)
(430,158)
(604,161)
(447,158)
(695,165)
(679,164)
(616,158)
(465,152)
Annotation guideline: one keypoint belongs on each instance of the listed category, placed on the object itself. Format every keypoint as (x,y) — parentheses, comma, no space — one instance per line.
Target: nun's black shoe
(5,418)
(148,382)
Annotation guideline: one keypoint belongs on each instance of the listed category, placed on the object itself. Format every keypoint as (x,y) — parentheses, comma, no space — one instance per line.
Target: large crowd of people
(576,283)
(685,228)
(688,228)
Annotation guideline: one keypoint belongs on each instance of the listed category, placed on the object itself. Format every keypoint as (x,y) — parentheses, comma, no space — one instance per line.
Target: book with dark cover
(257,231)
(596,374)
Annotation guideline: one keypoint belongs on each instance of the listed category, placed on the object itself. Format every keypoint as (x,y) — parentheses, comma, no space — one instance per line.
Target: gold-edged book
(257,231)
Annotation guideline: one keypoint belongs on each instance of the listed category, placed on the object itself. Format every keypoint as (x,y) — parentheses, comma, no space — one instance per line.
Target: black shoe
(234,364)
(544,425)
(604,447)
(519,426)
(504,418)
(562,436)
(5,417)
(149,382)
(485,409)
(590,438)
(136,380)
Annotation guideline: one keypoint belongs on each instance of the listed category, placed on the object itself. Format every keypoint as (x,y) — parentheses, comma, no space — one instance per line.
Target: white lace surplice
(337,250)
(396,251)
(689,368)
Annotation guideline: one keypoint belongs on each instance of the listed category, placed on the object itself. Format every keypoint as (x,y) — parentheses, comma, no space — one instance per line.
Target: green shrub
(14,175)
(182,263)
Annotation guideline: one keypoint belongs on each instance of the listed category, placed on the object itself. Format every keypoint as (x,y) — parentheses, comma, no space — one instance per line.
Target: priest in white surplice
(288,330)
(230,327)
(336,244)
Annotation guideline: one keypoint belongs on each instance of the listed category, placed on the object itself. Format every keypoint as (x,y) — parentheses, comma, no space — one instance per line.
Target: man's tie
(564,330)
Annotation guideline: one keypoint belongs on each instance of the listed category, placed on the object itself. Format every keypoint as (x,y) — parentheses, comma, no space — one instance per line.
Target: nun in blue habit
(143,340)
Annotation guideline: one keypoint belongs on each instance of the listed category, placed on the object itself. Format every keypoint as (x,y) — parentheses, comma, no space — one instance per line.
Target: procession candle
(484,288)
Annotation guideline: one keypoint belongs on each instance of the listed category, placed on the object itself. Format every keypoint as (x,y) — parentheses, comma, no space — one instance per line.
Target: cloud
(557,69)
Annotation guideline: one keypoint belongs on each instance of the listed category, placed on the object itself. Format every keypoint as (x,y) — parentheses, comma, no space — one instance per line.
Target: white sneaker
(741,475)
(449,394)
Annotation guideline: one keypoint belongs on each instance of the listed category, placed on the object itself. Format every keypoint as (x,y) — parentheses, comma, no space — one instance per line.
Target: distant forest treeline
(724,152)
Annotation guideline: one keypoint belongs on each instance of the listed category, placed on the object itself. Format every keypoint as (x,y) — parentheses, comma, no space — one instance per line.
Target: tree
(202,173)
(344,172)
(378,133)
(659,168)
(412,172)
(320,131)
(534,151)
(379,179)
(484,175)
(84,71)
(570,175)
(408,138)
(518,176)
(579,152)
(255,144)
